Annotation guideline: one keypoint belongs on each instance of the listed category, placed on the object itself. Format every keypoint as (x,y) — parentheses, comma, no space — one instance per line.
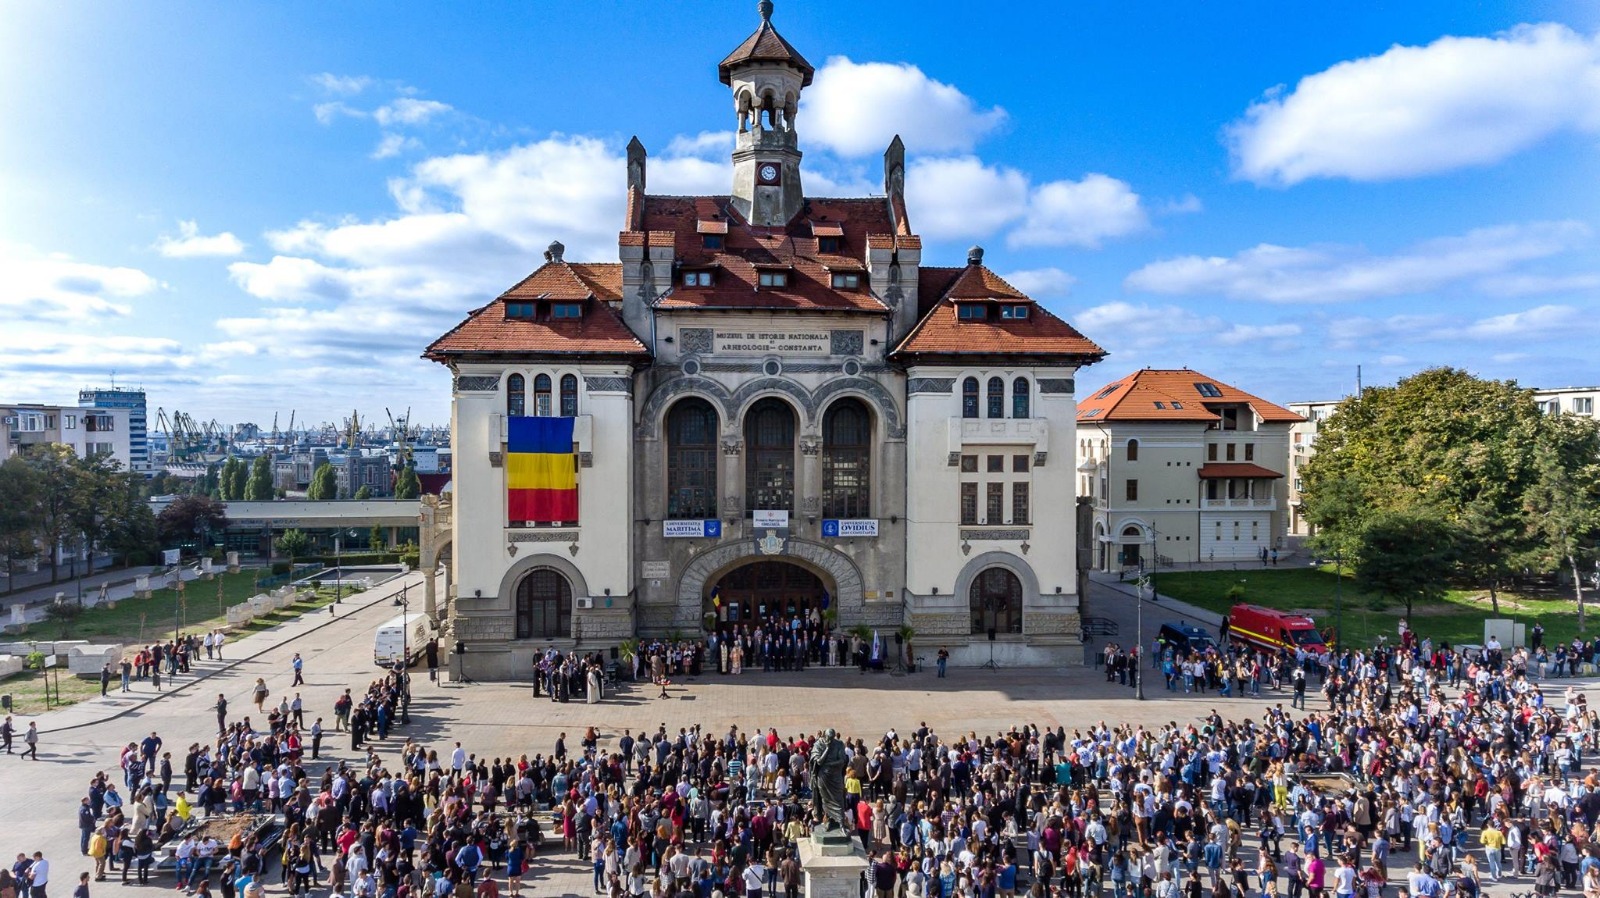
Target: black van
(1186,637)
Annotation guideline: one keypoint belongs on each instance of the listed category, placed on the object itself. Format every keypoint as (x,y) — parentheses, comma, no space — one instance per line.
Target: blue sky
(253,207)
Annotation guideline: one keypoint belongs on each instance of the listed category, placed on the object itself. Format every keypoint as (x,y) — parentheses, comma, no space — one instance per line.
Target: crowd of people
(1418,761)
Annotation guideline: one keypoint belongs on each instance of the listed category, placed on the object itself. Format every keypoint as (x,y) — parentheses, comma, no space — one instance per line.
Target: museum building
(766,409)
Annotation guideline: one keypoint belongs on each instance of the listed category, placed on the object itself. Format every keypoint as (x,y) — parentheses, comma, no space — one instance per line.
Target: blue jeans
(599,875)
(941,664)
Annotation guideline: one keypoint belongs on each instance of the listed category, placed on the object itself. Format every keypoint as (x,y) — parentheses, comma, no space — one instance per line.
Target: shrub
(1235,593)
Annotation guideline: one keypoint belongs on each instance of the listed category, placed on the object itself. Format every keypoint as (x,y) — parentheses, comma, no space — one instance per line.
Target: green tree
(20,497)
(324,484)
(377,538)
(294,543)
(407,486)
(1406,556)
(259,487)
(178,522)
(1564,503)
(130,524)
(55,470)
(91,483)
(363,494)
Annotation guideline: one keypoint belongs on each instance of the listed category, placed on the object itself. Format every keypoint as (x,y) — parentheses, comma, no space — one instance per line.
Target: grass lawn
(27,692)
(1457,619)
(138,621)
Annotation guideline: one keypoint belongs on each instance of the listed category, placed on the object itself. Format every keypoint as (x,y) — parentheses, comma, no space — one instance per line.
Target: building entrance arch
(765,593)
(832,570)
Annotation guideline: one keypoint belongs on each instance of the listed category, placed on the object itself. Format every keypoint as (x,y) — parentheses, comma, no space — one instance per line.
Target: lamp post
(405,654)
(1138,680)
(1338,599)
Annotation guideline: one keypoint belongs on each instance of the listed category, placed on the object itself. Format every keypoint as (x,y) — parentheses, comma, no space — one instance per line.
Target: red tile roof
(747,250)
(940,332)
(600,331)
(1157,394)
(1235,469)
(765,45)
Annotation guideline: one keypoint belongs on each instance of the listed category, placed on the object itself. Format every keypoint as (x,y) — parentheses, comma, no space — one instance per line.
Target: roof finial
(553,254)
(765,8)
(975,256)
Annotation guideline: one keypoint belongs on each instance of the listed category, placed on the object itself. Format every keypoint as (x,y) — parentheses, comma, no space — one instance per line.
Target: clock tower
(766,76)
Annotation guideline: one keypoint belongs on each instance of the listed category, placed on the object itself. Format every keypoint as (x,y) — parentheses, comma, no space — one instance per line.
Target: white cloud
(1042,282)
(1334,273)
(963,198)
(1540,322)
(64,353)
(409,111)
(1457,102)
(1393,360)
(1535,322)
(191,244)
(326,113)
(855,109)
(1530,284)
(56,287)
(1123,326)
(1080,213)
(392,145)
(706,143)
(1188,204)
(341,84)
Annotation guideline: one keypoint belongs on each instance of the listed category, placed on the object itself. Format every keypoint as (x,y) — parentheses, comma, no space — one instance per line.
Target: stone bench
(87,660)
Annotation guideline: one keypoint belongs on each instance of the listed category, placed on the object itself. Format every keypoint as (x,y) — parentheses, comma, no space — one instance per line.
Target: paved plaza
(502,719)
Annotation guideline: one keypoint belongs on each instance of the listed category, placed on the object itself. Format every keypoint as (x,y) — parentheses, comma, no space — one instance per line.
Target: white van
(408,634)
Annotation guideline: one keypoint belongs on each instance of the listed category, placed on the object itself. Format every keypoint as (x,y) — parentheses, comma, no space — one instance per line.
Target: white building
(89,431)
(1182,465)
(1568,400)
(778,412)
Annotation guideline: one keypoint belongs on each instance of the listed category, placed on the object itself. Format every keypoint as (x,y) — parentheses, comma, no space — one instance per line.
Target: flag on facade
(877,647)
(827,600)
(541,471)
(716,596)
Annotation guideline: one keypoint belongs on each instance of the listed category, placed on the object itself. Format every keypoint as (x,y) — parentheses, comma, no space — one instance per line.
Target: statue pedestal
(833,867)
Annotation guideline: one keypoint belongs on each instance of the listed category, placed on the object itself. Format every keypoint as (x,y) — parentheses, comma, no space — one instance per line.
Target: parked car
(1186,637)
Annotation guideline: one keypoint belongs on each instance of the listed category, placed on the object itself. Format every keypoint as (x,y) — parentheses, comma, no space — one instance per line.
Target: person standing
(38,876)
(82,891)
(127,673)
(431,652)
(222,714)
(7,731)
(299,670)
(31,738)
(105,679)
(316,739)
(942,661)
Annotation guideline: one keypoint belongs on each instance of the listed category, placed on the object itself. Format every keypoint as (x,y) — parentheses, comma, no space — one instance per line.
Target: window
(1583,405)
(1230,418)
(569,396)
(1014,312)
(544,605)
(1133,450)
(969,503)
(846,460)
(994,506)
(711,241)
(846,281)
(1133,491)
(1178,406)
(1235,531)
(566,310)
(1019,398)
(1019,503)
(1230,451)
(516,396)
(774,279)
(697,278)
(1208,390)
(828,245)
(997,397)
(692,460)
(95,423)
(969,464)
(70,422)
(1019,464)
(996,464)
(995,600)
(1160,404)
(1107,391)
(769,456)
(541,396)
(1211,452)
(519,309)
(969,398)
(1249,451)
(971,311)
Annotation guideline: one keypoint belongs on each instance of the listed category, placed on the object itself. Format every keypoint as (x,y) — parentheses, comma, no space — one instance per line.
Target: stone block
(11,664)
(87,660)
(239,615)
(832,875)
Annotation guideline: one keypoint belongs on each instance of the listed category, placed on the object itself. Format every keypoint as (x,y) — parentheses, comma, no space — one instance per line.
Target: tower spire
(766,76)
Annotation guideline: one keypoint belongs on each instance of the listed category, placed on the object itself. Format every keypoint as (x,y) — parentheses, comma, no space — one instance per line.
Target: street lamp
(1338,599)
(1138,680)
(405,653)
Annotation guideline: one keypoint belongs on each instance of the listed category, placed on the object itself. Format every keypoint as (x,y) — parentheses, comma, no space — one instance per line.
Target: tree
(91,482)
(179,520)
(225,479)
(259,487)
(130,524)
(19,511)
(324,484)
(377,538)
(363,494)
(53,467)
(294,543)
(407,486)
(1406,556)
(1564,503)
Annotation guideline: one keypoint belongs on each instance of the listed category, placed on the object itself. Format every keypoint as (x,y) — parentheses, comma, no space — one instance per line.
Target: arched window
(516,396)
(569,396)
(1019,398)
(541,396)
(996,601)
(997,398)
(969,398)
(544,605)
(769,456)
(846,460)
(692,460)
(1133,450)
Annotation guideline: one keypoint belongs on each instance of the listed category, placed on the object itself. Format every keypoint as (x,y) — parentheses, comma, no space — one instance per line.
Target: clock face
(769,173)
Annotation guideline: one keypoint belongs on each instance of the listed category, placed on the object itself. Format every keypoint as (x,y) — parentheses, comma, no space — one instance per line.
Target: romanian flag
(541,472)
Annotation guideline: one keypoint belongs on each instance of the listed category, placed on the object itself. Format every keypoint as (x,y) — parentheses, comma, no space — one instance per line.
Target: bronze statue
(827,781)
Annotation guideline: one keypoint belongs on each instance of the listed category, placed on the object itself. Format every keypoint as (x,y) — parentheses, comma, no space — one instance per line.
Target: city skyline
(282,205)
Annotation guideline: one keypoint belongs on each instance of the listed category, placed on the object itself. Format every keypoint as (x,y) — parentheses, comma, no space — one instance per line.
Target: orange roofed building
(1182,465)
(782,419)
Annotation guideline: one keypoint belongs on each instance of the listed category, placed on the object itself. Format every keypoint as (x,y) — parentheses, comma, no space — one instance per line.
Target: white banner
(169,556)
(769,520)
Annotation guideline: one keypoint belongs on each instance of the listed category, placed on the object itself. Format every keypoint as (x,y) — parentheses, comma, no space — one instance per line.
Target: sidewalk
(46,591)
(100,709)
(1168,606)
(23,579)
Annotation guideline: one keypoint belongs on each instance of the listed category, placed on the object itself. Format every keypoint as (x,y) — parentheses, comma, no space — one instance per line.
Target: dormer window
(846,281)
(697,278)
(1014,312)
(971,311)
(1208,390)
(828,244)
(566,310)
(774,279)
(711,241)
(520,309)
